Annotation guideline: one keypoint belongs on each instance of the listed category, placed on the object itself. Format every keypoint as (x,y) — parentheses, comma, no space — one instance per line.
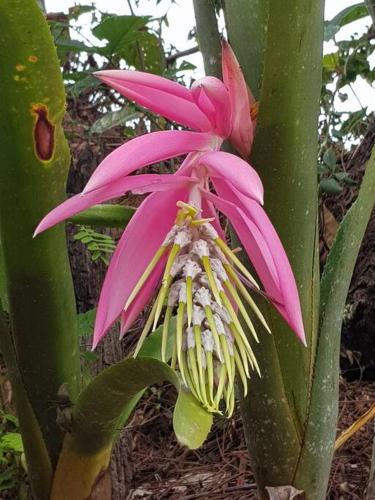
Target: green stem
(39,465)
(208,36)
(104,216)
(286,53)
(34,159)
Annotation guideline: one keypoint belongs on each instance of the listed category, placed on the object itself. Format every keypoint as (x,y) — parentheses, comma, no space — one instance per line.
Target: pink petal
(145,150)
(283,289)
(141,183)
(237,172)
(212,97)
(158,94)
(142,237)
(242,127)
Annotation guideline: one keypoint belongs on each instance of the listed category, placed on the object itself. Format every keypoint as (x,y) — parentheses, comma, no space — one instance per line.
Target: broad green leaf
(330,186)
(146,54)
(11,441)
(113,119)
(346,16)
(120,31)
(94,426)
(87,449)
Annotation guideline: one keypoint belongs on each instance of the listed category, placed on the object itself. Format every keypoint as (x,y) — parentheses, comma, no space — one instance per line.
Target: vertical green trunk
(287,54)
(34,162)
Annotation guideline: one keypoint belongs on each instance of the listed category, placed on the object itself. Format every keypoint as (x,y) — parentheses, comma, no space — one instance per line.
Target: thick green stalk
(208,36)
(39,465)
(288,55)
(104,216)
(34,159)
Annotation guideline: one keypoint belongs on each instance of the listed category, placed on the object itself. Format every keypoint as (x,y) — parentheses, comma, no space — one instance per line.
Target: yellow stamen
(249,352)
(241,307)
(234,318)
(240,370)
(189,299)
(230,406)
(184,370)
(211,280)
(179,327)
(224,346)
(200,222)
(228,252)
(211,324)
(242,350)
(189,209)
(145,331)
(220,387)
(194,371)
(230,385)
(210,374)
(230,271)
(164,340)
(174,356)
(160,300)
(198,348)
(155,259)
(171,258)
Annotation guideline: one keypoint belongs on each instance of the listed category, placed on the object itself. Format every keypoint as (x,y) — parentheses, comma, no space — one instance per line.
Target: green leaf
(120,31)
(95,426)
(346,16)
(341,259)
(330,186)
(69,45)
(12,441)
(86,323)
(329,158)
(87,448)
(113,119)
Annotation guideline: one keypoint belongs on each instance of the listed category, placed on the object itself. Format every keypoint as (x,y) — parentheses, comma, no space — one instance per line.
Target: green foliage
(332,180)
(99,245)
(346,16)
(11,450)
(114,118)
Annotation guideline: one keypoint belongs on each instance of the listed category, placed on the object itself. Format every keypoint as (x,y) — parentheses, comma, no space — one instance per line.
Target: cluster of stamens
(203,285)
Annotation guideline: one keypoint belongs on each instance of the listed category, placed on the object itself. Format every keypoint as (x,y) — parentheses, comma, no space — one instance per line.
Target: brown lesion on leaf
(43,133)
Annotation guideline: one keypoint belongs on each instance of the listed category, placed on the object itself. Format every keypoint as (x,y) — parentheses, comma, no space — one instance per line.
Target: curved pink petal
(212,98)
(158,94)
(237,172)
(141,183)
(142,237)
(242,133)
(284,289)
(145,150)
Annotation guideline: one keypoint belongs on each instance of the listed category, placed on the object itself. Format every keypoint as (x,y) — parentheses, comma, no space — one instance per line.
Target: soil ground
(160,469)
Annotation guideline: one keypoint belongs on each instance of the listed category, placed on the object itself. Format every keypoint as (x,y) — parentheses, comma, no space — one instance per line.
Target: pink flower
(174,247)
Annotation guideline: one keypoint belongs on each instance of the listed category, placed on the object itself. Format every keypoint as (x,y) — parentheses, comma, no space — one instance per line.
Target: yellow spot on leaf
(33,59)
(20,67)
